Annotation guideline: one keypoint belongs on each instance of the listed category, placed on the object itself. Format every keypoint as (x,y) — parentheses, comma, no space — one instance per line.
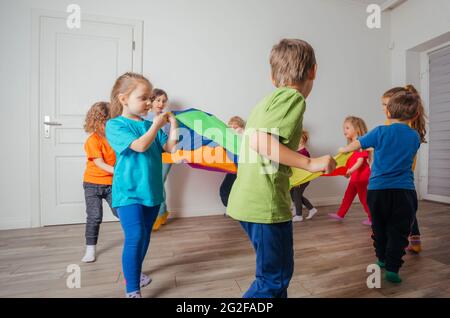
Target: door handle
(47,124)
(52,123)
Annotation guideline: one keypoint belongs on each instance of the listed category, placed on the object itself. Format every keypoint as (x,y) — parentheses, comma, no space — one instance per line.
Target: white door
(436,172)
(77,67)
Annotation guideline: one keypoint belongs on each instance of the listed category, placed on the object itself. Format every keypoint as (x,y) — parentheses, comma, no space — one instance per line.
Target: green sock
(393,277)
(381,264)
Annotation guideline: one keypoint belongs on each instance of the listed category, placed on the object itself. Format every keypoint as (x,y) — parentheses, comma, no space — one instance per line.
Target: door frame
(34,102)
(424,153)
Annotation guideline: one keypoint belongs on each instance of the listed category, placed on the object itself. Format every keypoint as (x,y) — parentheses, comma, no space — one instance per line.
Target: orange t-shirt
(97,147)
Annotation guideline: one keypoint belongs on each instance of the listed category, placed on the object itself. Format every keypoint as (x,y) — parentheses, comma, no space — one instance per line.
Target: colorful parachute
(207,143)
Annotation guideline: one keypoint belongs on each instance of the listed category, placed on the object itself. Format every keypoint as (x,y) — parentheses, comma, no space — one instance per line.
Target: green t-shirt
(260,193)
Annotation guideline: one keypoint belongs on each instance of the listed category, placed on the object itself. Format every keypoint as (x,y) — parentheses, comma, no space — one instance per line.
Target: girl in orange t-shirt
(97,181)
(358,170)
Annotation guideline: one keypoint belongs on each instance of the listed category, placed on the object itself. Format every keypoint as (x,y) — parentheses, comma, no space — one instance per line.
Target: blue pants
(137,223)
(273,244)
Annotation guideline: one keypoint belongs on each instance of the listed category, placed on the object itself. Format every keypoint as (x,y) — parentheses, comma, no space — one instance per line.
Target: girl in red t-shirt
(358,170)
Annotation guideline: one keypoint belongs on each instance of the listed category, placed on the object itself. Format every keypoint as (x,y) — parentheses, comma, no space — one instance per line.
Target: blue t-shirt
(137,176)
(395,147)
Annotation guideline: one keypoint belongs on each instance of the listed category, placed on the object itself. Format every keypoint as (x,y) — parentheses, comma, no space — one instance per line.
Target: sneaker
(367,222)
(335,216)
(297,218)
(311,213)
(145,280)
(165,216)
(392,277)
(381,264)
(415,245)
(135,294)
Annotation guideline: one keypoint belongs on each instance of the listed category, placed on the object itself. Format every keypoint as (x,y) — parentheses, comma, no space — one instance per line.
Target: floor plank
(212,257)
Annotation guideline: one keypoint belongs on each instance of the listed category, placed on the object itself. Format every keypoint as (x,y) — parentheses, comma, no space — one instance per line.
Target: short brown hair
(290,61)
(238,121)
(156,93)
(97,117)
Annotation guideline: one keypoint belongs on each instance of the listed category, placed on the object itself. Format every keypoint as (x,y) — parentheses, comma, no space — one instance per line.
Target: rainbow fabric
(207,143)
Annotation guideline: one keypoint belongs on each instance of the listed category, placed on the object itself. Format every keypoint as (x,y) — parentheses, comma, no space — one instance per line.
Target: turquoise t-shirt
(137,176)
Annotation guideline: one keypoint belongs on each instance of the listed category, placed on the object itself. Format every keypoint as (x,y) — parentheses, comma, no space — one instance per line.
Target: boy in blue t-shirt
(391,196)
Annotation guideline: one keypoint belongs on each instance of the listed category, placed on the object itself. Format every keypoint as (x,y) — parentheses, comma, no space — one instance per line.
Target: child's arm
(267,146)
(99,162)
(143,143)
(355,167)
(172,141)
(353,146)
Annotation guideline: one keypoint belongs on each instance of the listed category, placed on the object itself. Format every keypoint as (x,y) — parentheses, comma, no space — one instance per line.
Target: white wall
(417,26)
(212,55)
(414,24)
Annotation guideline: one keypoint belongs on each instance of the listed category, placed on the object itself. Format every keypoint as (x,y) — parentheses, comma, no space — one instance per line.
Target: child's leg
(362,194)
(132,221)
(347,201)
(297,199)
(399,227)
(273,244)
(149,214)
(108,197)
(415,244)
(163,213)
(379,204)
(304,200)
(94,211)
(415,228)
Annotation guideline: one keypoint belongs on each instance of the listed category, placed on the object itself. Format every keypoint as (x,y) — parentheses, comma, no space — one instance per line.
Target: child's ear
(123,99)
(312,73)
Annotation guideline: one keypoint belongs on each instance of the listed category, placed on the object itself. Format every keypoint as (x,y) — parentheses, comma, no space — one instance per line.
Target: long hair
(125,84)
(96,118)
(419,118)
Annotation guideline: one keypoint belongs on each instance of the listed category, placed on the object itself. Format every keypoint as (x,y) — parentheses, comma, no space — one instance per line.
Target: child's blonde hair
(290,61)
(415,112)
(125,84)
(96,118)
(238,121)
(358,124)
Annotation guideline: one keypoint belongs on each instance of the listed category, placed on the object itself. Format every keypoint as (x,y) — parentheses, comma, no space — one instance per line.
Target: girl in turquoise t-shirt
(137,190)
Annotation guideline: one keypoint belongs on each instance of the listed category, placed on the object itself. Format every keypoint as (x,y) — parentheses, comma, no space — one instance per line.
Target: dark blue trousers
(273,244)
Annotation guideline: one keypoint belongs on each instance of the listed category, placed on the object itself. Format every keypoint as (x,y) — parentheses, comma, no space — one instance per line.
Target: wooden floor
(212,257)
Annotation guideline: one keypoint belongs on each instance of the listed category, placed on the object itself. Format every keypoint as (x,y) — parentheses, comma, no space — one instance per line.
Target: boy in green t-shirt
(260,197)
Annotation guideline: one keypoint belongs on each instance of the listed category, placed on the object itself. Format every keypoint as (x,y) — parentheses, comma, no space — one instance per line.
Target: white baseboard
(14,223)
(219,210)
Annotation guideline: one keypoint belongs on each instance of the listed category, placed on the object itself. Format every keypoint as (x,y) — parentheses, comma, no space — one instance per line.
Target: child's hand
(342,150)
(171,118)
(160,120)
(326,164)
(348,174)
